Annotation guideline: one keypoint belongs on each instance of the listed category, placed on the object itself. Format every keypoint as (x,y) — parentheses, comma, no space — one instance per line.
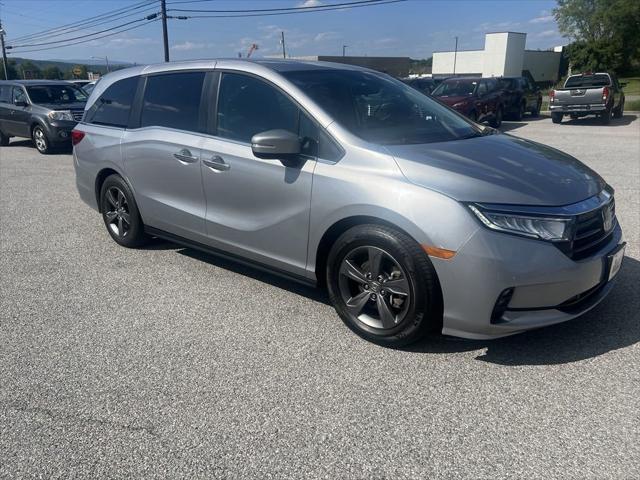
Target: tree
(52,73)
(604,33)
(29,70)
(12,73)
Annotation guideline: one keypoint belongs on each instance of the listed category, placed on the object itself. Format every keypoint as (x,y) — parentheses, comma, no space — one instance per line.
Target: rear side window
(173,100)
(114,105)
(247,106)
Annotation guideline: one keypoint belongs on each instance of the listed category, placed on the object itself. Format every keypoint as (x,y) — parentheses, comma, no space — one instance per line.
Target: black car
(424,85)
(43,110)
(520,95)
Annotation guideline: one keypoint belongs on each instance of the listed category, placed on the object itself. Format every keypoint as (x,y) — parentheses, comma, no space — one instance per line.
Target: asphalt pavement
(168,363)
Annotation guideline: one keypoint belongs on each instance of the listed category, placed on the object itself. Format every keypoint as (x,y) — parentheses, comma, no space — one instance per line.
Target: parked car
(416,219)
(80,83)
(45,111)
(422,84)
(88,88)
(480,99)
(520,95)
(588,94)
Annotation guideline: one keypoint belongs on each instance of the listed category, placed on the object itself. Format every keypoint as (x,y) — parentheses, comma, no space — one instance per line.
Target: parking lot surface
(165,362)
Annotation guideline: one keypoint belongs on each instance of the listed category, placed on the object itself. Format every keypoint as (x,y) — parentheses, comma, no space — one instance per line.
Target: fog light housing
(501,305)
(64,134)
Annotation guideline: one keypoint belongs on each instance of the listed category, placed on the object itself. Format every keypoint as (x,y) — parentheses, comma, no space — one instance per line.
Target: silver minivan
(415,219)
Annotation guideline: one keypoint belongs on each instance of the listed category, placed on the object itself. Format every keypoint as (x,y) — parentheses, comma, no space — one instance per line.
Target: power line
(311,8)
(87,40)
(85,21)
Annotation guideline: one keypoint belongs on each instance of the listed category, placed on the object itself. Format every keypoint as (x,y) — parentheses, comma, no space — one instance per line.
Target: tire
(619,112)
(496,121)
(536,110)
(605,118)
(556,117)
(40,140)
(521,111)
(120,213)
(4,139)
(395,316)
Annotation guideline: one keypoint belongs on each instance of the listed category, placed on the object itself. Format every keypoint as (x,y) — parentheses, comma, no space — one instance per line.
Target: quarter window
(114,105)
(247,106)
(19,95)
(173,100)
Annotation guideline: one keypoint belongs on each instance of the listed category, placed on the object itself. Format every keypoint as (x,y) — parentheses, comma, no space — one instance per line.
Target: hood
(450,100)
(498,169)
(66,106)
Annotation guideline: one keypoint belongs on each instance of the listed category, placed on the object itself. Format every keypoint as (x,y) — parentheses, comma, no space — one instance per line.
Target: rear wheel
(619,113)
(4,139)
(120,213)
(556,117)
(521,111)
(496,121)
(40,140)
(536,111)
(605,117)
(384,286)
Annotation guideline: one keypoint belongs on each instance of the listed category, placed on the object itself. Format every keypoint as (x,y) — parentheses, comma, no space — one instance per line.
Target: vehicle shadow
(592,120)
(65,149)
(613,324)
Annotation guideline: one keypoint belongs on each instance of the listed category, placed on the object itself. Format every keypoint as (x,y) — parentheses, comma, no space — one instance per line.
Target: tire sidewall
(418,318)
(47,147)
(135,237)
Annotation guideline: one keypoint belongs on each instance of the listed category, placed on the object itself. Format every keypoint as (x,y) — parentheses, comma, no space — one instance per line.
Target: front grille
(77,114)
(592,231)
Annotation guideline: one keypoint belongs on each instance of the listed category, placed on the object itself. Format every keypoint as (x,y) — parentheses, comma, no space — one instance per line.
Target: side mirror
(275,144)
(20,103)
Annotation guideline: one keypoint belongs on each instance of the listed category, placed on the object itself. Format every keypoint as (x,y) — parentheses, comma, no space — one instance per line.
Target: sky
(413,28)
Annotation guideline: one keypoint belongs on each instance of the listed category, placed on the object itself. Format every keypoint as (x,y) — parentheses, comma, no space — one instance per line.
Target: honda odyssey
(415,218)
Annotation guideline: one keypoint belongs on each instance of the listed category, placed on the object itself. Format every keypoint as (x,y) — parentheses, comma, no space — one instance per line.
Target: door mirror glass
(275,144)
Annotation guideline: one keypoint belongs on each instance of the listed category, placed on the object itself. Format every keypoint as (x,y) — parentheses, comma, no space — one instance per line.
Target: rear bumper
(548,287)
(587,108)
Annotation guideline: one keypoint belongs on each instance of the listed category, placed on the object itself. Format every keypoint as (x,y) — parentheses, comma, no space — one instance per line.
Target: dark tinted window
(482,88)
(380,109)
(454,88)
(247,105)
(19,95)
(173,100)
(56,94)
(594,80)
(114,105)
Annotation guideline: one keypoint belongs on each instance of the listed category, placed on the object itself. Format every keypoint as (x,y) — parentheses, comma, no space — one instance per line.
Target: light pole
(106,60)
(455,55)
(344,48)
(4,52)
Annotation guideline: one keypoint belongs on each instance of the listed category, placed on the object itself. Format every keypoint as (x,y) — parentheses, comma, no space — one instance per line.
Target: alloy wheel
(374,287)
(39,139)
(117,213)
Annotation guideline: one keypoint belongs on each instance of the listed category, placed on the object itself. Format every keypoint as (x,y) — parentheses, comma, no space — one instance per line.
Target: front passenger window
(19,95)
(247,105)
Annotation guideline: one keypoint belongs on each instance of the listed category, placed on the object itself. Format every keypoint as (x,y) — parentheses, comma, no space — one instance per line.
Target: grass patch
(632,106)
(633,85)
(545,106)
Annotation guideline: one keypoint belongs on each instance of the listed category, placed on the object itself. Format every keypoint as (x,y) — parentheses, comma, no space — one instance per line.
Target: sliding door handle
(185,156)
(217,163)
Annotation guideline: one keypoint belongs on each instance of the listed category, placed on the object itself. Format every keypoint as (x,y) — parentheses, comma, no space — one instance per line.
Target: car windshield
(508,83)
(56,94)
(380,109)
(597,80)
(454,88)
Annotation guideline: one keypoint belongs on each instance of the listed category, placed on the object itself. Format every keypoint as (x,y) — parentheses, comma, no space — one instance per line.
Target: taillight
(552,95)
(605,94)
(76,137)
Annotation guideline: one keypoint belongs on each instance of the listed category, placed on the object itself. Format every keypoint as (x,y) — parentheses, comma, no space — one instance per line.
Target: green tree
(12,73)
(52,73)
(82,69)
(29,70)
(604,33)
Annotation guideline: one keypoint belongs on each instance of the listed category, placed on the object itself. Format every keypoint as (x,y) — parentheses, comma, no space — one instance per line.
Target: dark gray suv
(45,111)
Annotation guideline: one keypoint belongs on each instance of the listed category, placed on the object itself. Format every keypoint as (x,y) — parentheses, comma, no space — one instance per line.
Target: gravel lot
(165,362)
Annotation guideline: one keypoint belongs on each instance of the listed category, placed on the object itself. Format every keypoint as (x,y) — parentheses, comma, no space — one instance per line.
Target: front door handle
(217,163)
(185,156)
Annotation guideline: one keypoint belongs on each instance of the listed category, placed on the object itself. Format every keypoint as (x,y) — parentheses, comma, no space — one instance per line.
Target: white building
(504,54)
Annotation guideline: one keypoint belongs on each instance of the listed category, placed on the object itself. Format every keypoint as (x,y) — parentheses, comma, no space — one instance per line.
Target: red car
(480,99)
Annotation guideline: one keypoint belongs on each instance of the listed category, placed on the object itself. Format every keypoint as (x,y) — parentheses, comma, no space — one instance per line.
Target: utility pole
(455,56)
(344,48)
(284,51)
(165,35)
(4,52)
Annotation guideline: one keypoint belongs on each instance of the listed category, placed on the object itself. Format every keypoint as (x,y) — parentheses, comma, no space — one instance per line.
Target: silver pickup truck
(588,94)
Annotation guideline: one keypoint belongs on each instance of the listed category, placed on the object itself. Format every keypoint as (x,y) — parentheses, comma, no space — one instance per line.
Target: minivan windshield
(380,109)
(56,94)
(455,88)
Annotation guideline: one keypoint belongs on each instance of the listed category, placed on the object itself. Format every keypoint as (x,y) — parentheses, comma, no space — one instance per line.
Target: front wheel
(4,139)
(383,286)
(120,213)
(496,121)
(40,140)
(556,117)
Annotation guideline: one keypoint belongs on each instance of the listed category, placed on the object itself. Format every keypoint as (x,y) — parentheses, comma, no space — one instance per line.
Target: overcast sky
(413,28)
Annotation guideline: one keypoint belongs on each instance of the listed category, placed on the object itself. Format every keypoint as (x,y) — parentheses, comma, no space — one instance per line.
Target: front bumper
(542,278)
(59,131)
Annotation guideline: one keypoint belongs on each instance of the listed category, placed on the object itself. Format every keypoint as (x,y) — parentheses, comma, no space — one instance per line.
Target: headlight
(545,228)
(61,115)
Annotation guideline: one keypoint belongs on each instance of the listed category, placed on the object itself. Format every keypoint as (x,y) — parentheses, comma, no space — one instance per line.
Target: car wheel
(521,111)
(120,213)
(556,117)
(619,113)
(40,140)
(536,111)
(605,117)
(496,121)
(383,286)
(4,139)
